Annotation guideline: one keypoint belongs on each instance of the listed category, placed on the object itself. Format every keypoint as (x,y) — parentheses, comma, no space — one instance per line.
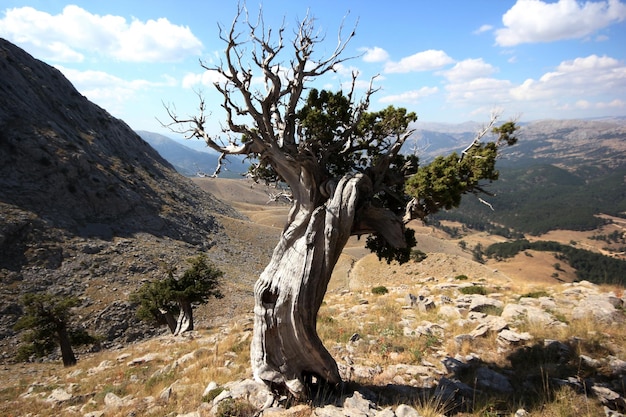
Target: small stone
(59,395)
(212,385)
(166,394)
(404,410)
(358,402)
(510,337)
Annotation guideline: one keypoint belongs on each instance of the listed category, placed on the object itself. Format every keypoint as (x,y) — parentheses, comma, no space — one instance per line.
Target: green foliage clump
(474,289)
(235,408)
(159,300)
(380,290)
(47,319)
(441,183)
(461,277)
(383,250)
(418,255)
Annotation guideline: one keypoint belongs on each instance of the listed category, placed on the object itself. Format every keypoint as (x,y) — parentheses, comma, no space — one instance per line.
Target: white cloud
(469,69)
(68,36)
(412,96)
(588,105)
(107,90)
(206,78)
(421,61)
(531,21)
(375,54)
(482,29)
(617,103)
(359,84)
(489,91)
(581,77)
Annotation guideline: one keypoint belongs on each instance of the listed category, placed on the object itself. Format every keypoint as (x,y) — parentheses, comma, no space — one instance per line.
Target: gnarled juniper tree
(346,176)
(48,321)
(161,300)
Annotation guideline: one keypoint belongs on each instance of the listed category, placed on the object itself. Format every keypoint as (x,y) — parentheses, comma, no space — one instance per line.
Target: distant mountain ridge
(563,142)
(560,175)
(191,162)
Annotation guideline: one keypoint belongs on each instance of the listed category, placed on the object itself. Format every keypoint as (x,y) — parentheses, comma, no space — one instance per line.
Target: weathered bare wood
(286,350)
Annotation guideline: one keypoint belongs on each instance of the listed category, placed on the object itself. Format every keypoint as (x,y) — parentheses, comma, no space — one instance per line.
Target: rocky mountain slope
(86,206)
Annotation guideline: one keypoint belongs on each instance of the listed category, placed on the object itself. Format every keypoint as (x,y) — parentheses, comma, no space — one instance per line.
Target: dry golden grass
(221,354)
(186,364)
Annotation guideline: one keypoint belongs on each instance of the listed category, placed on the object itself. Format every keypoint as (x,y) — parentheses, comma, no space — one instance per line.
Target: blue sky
(449,61)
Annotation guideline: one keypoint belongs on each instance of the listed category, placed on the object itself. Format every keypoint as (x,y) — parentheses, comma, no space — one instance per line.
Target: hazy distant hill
(191,162)
(574,142)
(560,175)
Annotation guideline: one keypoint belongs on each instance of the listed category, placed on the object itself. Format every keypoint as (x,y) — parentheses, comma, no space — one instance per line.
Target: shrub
(210,396)
(461,277)
(380,290)
(535,294)
(474,289)
(418,256)
(235,408)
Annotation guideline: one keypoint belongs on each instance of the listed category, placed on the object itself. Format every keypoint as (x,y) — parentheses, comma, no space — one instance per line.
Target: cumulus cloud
(532,21)
(421,61)
(469,69)
(68,36)
(375,54)
(206,78)
(412,96)
(587,105)
(108,90)
(477,91)
(482,29)
(582,86)
(585,77)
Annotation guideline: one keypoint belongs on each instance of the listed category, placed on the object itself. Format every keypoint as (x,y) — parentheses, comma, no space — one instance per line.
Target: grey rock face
(80,191)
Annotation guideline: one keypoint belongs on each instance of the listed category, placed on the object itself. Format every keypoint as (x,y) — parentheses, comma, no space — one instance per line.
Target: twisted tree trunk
(166,317)
(67,353)
(184,323)
(286,351)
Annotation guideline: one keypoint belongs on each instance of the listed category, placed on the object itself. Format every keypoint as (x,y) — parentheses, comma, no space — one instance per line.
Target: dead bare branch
(486,129)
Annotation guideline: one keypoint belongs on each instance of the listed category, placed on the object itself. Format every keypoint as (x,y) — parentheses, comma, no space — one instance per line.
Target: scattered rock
(489,379)
(510,337)
(404,410)
(356,404)
(609,398)
(59,395)
(144,359)
(113,401)
(482,303)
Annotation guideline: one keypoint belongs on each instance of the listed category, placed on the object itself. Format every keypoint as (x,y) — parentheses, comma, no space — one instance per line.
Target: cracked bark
(286,352)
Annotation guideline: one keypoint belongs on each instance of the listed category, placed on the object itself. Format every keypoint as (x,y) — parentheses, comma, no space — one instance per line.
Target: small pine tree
(48,319)
(160,301)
